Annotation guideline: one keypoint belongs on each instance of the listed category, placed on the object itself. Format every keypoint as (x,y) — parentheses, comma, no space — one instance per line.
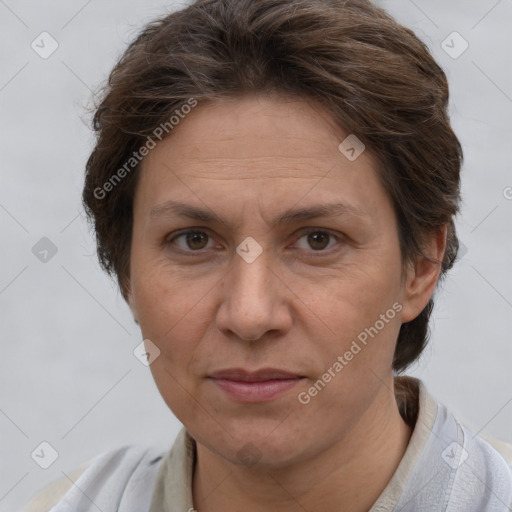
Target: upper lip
(264,374)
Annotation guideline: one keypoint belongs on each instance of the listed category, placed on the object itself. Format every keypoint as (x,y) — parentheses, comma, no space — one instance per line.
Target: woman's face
(258,304)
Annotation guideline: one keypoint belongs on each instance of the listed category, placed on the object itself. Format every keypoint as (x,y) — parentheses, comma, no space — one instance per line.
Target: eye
(318,240)
(193,240)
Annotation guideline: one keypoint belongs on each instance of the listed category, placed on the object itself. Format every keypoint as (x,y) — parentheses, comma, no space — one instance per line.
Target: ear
(422,276)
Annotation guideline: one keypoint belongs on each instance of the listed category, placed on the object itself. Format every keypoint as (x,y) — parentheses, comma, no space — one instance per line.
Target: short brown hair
(377,79)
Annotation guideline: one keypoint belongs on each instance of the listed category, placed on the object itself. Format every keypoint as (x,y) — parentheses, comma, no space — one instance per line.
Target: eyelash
(315,254)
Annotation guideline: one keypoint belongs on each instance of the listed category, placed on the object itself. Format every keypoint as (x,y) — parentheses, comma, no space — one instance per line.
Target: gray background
(68,374)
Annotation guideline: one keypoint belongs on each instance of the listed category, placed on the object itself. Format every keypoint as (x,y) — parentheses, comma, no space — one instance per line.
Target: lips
(258,386)
(265,374)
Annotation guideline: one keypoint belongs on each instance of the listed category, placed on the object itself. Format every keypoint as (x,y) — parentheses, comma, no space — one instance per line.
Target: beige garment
(173,487)
(45,499)
(173,490)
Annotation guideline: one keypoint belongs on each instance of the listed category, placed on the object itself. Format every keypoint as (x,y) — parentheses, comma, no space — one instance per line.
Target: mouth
(258,386)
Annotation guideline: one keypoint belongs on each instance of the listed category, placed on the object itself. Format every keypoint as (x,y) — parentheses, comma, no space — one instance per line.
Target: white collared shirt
(444,468)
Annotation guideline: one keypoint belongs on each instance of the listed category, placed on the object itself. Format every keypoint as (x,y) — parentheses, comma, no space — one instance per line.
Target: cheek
(161,307)
(362,313)
(356,365)
(172,316)
(160,294)
(357,298)
(175,313)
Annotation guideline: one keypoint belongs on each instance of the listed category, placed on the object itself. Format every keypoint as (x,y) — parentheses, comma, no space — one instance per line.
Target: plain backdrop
(67,369)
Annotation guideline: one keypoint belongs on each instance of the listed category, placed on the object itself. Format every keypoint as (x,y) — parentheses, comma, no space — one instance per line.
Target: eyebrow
(176,208)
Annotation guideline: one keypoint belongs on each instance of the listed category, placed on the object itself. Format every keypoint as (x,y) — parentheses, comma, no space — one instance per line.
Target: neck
(349,476)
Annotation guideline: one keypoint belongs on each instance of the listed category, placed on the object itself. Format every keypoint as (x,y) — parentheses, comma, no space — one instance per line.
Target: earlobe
(423,275)
(131,305)
(134,312)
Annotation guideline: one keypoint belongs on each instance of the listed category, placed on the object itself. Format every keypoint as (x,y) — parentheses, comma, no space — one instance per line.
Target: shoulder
(50,495)
(466,471)
(481,471)
(502,447)
(447,426)
(124,470)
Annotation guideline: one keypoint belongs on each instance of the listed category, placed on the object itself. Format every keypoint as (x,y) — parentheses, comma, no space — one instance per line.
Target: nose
(255,301)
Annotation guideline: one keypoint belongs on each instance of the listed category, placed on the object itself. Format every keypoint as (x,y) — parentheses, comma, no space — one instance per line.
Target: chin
(256,443)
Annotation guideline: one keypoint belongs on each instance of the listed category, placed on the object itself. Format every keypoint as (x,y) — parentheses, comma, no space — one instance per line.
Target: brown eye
(317,241)
(194,240)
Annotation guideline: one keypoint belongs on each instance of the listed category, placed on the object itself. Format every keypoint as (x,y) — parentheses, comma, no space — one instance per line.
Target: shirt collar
(173,489)
(418,409)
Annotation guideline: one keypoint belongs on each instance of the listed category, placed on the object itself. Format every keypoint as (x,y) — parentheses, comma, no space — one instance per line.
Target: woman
(258,129)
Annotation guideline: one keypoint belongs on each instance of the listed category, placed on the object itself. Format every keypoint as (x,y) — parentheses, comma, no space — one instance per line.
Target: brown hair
(377,79)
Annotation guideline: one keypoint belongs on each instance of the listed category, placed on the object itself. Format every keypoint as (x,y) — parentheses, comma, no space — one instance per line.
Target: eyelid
(338,237)
(168,240)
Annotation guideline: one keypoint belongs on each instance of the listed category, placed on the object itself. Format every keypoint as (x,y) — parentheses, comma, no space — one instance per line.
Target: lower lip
(262,391)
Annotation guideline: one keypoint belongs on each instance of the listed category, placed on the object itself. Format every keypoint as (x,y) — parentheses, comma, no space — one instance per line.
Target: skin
(296,307)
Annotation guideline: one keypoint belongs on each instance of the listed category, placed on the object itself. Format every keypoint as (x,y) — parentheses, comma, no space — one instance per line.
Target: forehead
(252,126)
(268,149)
